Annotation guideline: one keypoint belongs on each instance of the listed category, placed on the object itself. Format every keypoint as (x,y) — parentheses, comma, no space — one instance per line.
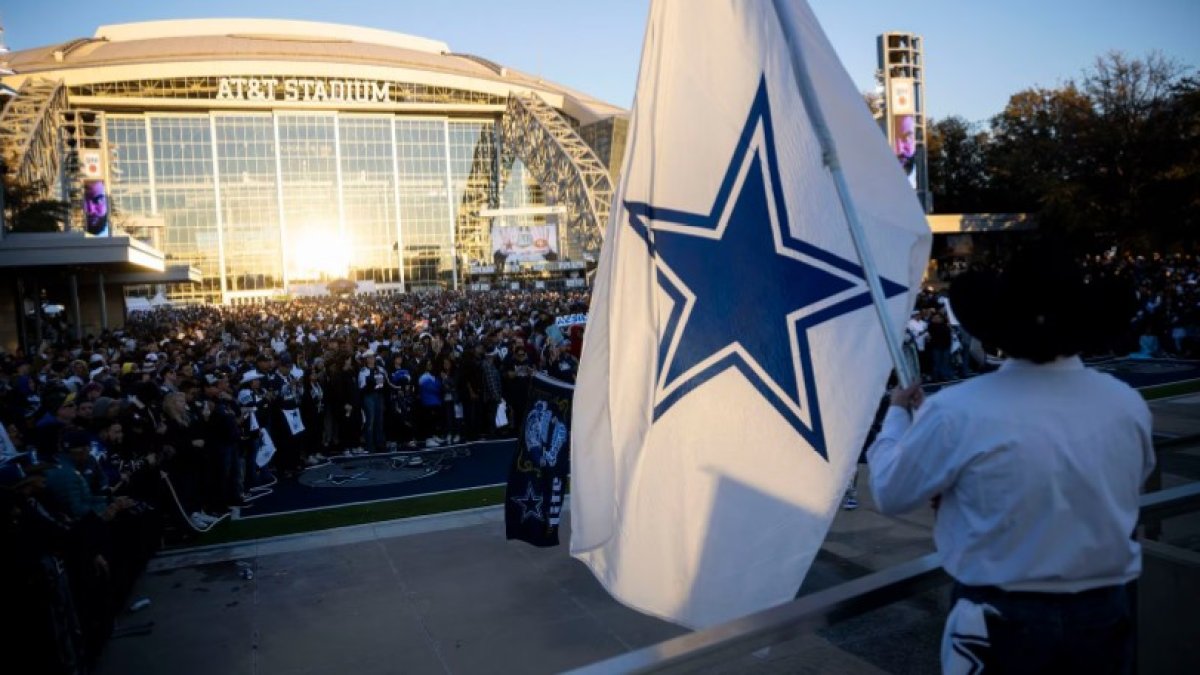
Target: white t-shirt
(1039,468)
(920,331)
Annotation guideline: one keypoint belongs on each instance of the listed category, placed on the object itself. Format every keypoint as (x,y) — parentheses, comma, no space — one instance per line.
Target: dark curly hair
(1040,305)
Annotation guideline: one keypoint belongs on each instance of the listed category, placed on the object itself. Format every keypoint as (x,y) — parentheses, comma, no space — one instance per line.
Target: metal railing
(712,646)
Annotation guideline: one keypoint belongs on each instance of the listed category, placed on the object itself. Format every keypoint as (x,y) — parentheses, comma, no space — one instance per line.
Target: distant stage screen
(95,208)
(904,135)
(525,243)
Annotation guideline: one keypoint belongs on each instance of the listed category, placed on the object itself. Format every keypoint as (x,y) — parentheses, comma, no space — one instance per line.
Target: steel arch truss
(565,166)
(29,140)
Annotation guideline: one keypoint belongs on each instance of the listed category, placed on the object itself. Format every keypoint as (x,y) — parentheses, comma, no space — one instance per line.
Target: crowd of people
(935,343)
(1166,317)
(1163,289)
(115,442)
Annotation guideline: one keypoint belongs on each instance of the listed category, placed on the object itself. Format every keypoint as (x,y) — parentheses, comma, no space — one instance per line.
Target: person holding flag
(740,329)
(1036,469)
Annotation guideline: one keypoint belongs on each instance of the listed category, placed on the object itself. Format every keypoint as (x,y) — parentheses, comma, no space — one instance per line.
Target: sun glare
(320,255)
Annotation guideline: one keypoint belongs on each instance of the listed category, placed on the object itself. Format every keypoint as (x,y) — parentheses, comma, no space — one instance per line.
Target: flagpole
(830,157)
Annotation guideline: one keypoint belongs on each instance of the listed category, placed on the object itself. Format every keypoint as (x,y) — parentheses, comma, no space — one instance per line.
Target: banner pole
(830,157)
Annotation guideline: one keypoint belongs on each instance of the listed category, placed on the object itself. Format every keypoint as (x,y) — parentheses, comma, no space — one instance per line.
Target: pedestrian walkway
(436,594)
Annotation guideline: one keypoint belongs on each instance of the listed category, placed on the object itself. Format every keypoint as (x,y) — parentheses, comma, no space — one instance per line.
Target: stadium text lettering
(271,89)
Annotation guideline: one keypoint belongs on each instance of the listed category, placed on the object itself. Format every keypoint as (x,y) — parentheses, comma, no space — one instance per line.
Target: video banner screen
(903,108)
(95,208)
(904,134)
(524,243)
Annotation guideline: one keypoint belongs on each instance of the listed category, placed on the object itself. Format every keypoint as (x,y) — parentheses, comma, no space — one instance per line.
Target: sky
(977,53)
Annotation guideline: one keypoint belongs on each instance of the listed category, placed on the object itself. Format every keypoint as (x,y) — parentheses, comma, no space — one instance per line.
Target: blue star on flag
(745,291)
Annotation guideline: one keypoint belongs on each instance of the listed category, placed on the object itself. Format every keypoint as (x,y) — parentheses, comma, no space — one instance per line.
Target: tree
(1170,199)
(958,172)
(26,209)
(1112,159)
(874,103)
(1140,145)
(1126,92)
(1039,156)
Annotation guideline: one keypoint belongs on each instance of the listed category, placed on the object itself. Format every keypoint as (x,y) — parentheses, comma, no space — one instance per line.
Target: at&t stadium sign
(303,89)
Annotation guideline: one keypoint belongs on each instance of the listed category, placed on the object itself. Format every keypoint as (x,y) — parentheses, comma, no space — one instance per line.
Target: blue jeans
(373,426)
(1087,632)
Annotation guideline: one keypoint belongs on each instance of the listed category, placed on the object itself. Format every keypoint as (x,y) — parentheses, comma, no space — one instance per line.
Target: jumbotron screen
(525,243)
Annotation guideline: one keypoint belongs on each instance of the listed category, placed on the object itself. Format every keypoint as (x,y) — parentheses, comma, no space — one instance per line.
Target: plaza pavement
(448,594)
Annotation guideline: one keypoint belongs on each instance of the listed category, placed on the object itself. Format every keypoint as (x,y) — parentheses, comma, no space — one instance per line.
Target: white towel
(965,643)
(265,450)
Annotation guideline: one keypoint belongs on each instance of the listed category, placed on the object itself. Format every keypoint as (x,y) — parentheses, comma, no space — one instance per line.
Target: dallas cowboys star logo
(745,291)
(974,649)
(530,503)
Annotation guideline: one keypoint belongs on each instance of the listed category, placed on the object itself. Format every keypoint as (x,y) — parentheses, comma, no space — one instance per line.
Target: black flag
(537,480)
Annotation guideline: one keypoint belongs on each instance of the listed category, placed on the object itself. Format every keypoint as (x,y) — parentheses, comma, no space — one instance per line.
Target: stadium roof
(258,44)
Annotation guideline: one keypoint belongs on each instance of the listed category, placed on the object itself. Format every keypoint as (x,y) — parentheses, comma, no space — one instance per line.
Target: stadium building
(268,158)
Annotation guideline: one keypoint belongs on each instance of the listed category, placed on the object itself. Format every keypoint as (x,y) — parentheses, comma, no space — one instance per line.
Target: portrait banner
(95,208)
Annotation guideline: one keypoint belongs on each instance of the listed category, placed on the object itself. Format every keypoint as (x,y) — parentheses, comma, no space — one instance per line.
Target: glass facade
(249,203)
(521,189)
(369,196)
(314,242)
(185,194)
(130,183)
(425,203)
(473,183)
(284,202)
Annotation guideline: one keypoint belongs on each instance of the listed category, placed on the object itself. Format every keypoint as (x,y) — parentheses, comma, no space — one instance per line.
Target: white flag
(733,360)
